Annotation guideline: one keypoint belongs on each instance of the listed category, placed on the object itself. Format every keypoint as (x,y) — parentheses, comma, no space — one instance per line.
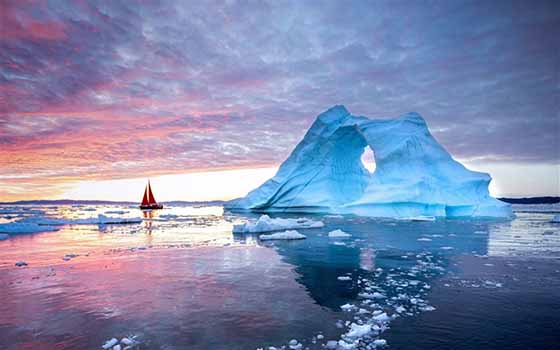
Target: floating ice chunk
(286,235)
(400,309)
(4,236)
(344,278)
(419,218)
(21,263)
(107,220)
(379,342)
(556,219)
(339,234)
(427,308)
(110,343)
(424,239)
(383,317)
(358,331)
(347,307)
(127,341)
(331,344)
(116,212)
(267,224)
(374,295)
(343,345)
(295,345)
(68,257)
(117,347)
(446,248)
(25,227)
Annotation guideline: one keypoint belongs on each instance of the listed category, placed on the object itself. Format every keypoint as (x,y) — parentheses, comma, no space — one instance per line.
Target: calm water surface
(182,280)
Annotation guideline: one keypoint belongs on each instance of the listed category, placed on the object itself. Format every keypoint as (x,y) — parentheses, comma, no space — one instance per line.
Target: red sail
(145,200)
(151,198)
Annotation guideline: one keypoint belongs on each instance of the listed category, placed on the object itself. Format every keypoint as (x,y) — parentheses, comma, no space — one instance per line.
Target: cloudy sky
(129,89)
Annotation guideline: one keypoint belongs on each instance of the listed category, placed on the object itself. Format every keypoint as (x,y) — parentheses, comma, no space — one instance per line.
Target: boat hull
(151,206)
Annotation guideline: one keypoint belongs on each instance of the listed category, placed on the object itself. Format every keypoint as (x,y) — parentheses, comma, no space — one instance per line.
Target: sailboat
(148,201)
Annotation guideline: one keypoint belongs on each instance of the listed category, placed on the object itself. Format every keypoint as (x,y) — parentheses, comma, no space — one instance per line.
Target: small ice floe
(556,219)
(25,227)
(374,295)
(446,248)
(419,218)
(339,234)
(424,239)
(107,220)
(331,344)
(344,345)
(295,345)
(383,317)
(120,212)
(358,331)
(344,278)
(334,216)
(68,257)
(286,235)
(347,307)
(379,342)
(267,224)
(4,236)
(110,343)
(21,263)
(126,343)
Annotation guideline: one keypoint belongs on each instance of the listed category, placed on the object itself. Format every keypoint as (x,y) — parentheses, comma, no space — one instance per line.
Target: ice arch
(414,174)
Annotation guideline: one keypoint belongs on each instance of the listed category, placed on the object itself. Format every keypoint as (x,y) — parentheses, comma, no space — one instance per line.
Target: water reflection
(181,277)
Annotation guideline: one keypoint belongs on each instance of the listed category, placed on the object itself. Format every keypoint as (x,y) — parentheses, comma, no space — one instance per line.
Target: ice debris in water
(126,343)
(419,218)
(344,278)
(42,223)
(556,219)
(339,234)
(286,235)
(25,227)
(4,236)
(267,224)
(387,295)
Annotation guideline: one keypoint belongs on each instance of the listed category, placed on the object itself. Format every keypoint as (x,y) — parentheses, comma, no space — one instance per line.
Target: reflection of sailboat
(148,201)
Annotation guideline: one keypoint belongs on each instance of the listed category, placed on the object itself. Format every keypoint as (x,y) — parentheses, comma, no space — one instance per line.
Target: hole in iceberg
(368,159)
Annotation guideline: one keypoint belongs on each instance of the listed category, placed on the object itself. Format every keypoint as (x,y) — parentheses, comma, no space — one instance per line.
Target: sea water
(180,279)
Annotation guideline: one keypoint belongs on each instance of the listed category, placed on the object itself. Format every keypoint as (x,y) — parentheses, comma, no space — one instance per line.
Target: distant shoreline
(524,200)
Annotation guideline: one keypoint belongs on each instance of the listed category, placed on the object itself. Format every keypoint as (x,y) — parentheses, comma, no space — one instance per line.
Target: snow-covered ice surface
(415,176)
(266,224)
(390,284)
(285,235)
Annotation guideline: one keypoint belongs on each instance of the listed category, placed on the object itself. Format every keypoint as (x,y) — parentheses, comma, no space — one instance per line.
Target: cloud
(114,88)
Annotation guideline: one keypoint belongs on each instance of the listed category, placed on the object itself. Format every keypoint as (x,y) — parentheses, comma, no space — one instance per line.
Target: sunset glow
(92,94)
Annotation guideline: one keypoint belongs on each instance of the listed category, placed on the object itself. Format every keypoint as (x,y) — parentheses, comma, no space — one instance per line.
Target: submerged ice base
(414,176)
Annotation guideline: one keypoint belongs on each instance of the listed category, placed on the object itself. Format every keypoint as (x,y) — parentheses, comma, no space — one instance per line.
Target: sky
(207,98)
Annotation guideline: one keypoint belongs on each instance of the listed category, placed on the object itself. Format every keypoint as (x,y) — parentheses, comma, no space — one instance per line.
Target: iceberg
(414,176)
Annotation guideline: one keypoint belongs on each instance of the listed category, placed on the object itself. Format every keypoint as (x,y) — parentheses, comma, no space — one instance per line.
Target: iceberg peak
(414,175)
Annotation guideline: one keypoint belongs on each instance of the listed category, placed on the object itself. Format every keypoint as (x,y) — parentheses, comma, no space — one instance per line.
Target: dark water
(182,280)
